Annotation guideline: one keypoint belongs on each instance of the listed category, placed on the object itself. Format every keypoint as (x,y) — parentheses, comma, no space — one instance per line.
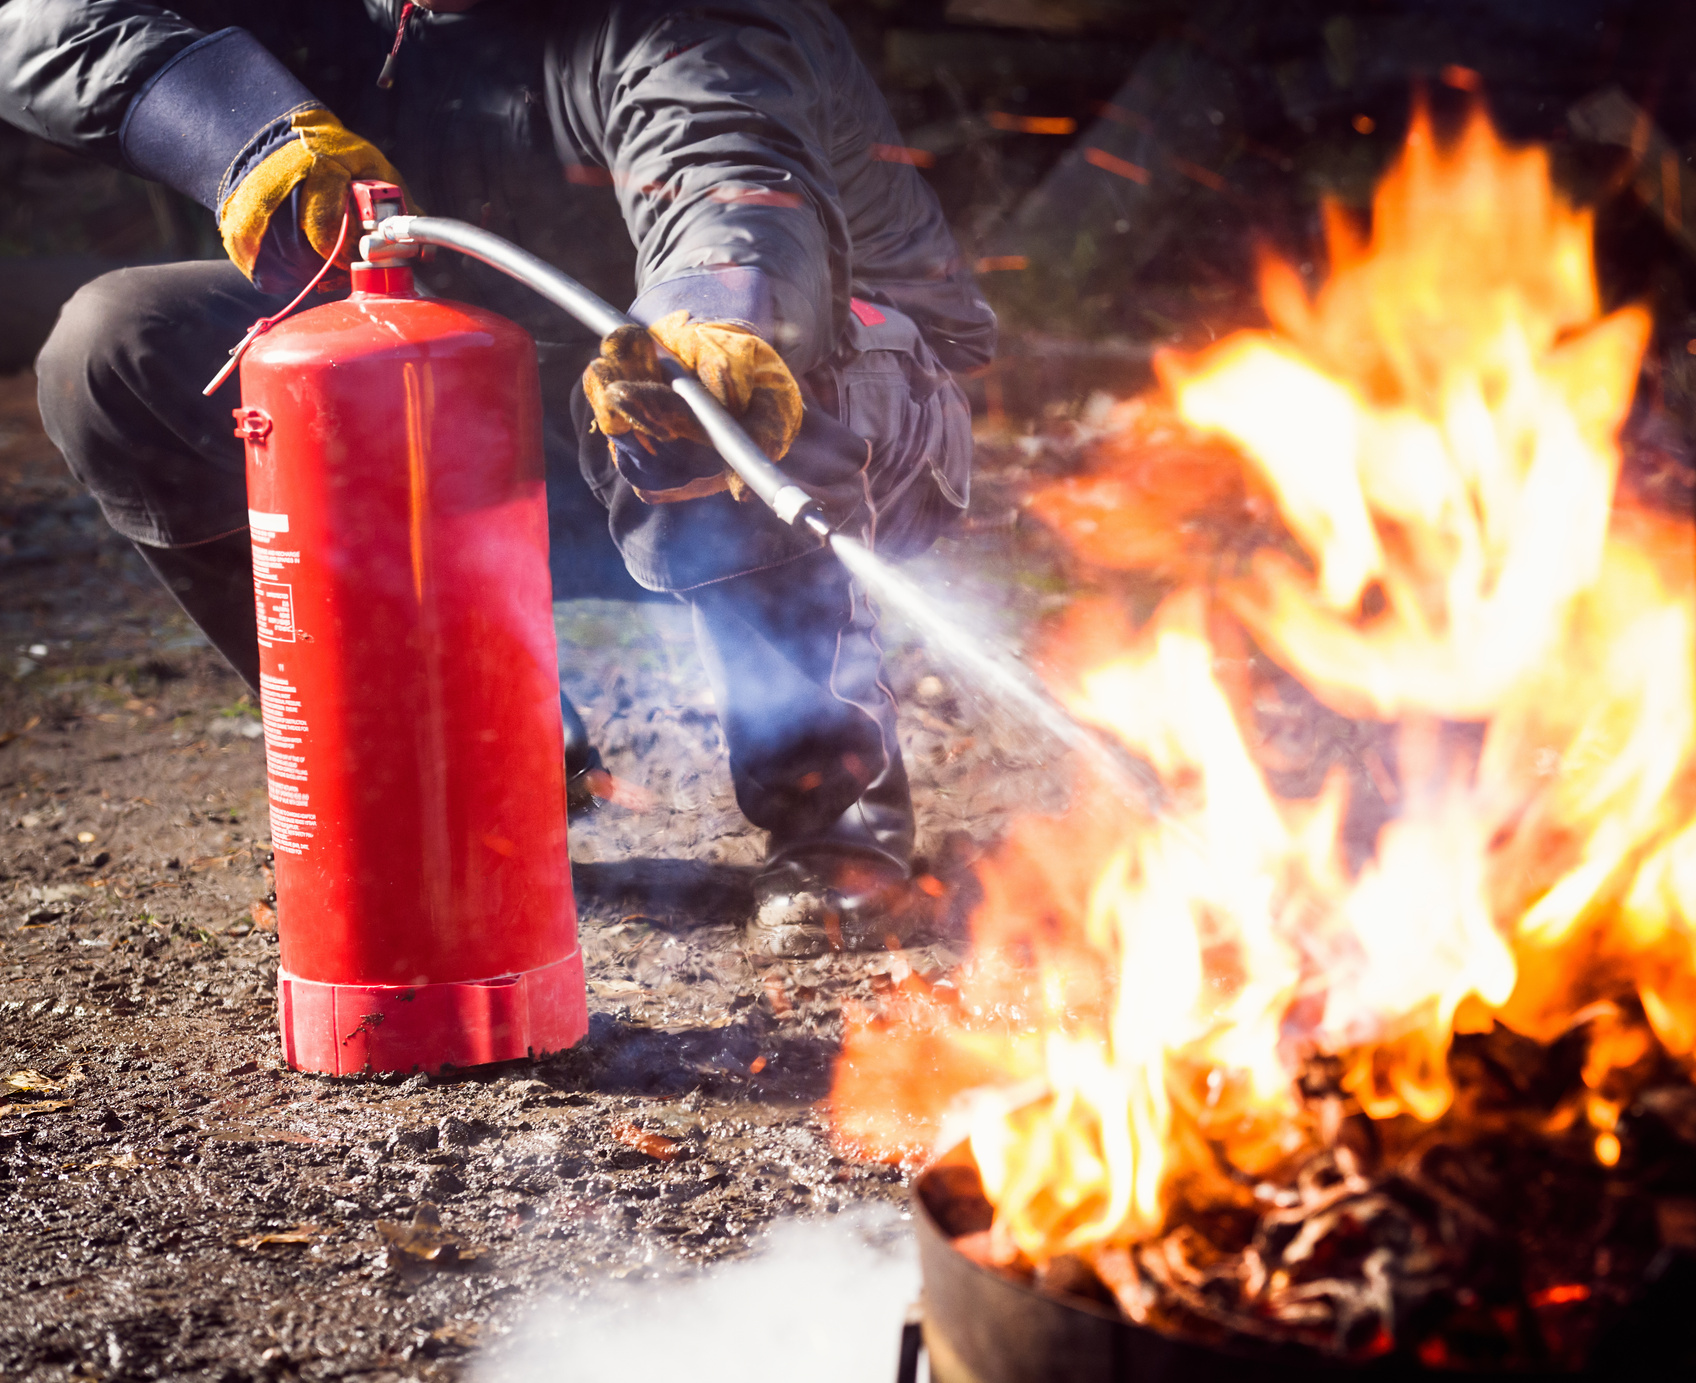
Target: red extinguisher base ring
(341,1029)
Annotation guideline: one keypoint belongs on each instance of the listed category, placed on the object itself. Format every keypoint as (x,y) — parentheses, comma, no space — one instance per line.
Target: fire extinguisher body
(409,685)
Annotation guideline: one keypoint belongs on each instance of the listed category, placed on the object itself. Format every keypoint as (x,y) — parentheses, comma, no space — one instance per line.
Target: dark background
(1241,116)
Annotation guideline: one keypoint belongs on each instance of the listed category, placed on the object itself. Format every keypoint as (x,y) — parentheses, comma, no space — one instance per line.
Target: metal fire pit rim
(1281,1355)
(1144,1353)
(922,1215)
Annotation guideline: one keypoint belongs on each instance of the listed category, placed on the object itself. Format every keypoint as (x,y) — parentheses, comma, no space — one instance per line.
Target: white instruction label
(266,526)
(273,597)
(271,563)
(292,824)
(274,608)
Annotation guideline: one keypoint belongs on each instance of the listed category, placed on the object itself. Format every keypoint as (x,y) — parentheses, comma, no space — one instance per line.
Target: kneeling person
(775,242)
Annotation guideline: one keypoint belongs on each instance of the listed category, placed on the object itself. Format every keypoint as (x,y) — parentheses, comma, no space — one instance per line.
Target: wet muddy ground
(176,1204)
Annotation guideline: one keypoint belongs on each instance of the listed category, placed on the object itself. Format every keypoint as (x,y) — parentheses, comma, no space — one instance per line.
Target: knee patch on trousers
(83,342)
(105,331)
(119,384)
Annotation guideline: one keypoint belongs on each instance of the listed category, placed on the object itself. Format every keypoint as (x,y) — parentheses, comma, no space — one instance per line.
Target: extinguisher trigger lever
(376,201)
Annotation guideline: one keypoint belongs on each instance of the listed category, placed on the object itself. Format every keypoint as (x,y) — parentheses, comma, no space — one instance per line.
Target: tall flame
(1425,456)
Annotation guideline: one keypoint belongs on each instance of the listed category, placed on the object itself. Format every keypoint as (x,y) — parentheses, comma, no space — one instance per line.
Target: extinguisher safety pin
(238,350)
(264,324)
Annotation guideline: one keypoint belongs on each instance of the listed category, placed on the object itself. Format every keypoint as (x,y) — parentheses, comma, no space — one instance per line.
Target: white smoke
(821,1300)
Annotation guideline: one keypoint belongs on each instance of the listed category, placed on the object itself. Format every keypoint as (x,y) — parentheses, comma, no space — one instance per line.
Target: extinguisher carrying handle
(781,495)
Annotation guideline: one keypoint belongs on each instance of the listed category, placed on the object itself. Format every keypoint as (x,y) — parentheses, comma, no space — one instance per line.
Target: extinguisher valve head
(373,201)
(391,242)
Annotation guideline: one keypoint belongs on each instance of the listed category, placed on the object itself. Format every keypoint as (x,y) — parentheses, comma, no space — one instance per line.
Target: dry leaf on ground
(607,987)
(655,1145)
(426,1239)
(621,792)
(300,1234)
(35,1107)
(462,1334)
(127,1161)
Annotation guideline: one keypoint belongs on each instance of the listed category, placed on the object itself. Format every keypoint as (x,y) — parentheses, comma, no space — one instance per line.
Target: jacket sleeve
(905,255)
(69,69)
(708,122)
(136,86)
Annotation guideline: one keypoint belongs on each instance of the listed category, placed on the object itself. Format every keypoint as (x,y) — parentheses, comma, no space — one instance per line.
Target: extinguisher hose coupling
(394,228)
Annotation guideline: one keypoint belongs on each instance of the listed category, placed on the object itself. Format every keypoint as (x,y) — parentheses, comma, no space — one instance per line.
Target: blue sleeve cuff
(736,293)
(209,114)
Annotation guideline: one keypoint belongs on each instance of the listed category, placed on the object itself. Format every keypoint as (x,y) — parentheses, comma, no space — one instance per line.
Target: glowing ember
(1400,496)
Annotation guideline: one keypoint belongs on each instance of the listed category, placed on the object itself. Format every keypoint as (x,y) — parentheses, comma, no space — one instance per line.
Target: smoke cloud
(820,1299)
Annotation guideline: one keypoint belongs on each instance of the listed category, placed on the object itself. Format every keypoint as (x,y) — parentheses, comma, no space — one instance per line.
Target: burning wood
(1491,1239)
(1378,1038)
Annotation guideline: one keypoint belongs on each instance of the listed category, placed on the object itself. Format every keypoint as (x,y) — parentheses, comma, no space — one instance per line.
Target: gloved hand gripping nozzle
(401,237)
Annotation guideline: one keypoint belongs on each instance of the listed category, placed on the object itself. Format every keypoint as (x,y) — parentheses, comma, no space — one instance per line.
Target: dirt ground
(174,1203)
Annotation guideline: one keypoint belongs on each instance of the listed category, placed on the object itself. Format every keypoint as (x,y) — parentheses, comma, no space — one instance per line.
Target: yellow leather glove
(630,395)
(322,159)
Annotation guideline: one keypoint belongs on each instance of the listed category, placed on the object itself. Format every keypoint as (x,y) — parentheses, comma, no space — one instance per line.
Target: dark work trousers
(791,651)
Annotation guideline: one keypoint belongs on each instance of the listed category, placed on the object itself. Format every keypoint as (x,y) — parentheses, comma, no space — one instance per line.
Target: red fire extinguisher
(409,683)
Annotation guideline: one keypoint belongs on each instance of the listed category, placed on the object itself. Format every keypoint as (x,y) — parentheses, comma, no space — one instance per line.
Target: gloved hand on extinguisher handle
(227,124)
(657,443)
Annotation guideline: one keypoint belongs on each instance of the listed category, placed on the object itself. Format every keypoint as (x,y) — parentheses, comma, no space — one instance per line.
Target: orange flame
(1402,493)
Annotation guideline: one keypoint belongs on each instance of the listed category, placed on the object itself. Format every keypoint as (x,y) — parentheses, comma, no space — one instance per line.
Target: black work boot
(809,721)
(847,888)
(581,759)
